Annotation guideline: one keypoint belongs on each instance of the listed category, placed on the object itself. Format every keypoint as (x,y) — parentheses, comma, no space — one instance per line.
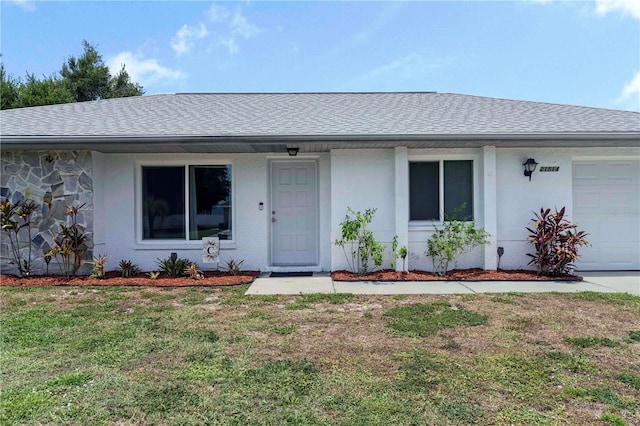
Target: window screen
(458,190)
(424,184)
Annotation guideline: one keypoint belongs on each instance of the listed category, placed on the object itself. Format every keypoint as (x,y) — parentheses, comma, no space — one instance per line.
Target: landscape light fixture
(293,151)
(529,167)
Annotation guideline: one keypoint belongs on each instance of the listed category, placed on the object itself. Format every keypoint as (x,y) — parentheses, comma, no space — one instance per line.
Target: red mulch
(113,278)
(474,274)
(216,278)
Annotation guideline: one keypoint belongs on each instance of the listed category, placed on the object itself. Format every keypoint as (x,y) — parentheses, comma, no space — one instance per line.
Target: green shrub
(233,267)
(454,239)
(363,248)
(173,266)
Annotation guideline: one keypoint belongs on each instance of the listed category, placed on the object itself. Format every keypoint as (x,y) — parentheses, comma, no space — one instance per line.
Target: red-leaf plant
(556,242)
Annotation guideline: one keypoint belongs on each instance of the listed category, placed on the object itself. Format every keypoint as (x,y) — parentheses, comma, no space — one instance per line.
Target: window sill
(180,245)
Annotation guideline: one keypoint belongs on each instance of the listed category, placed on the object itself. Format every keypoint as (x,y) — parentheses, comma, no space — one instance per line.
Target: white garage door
(606,204)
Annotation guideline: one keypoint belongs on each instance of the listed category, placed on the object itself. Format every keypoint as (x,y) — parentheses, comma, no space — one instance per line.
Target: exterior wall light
(292,151)
(529,167)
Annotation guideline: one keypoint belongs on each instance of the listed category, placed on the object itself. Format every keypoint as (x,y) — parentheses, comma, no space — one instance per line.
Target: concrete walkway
(605,282)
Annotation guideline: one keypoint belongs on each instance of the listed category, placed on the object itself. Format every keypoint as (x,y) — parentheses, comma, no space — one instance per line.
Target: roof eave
(127,142)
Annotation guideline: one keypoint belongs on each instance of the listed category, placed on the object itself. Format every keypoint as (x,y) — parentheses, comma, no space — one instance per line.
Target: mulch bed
(474,274)
(218,278)
(113,278)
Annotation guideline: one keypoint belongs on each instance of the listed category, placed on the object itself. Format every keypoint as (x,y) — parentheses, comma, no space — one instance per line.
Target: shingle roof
(312,114)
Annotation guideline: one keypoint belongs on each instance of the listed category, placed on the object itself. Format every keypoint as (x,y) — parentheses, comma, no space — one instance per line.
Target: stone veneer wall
(64,178)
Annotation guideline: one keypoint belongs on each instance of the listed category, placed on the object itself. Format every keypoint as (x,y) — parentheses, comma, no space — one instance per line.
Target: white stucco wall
(504,200)
(251,225)
(362,179)
(517,198)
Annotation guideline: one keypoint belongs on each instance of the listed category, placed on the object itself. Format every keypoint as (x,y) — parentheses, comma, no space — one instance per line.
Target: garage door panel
(619,198)
(619,229)
(621,173)
(585,172)
(593,227)
(586,199)
(608,256)
(606,204)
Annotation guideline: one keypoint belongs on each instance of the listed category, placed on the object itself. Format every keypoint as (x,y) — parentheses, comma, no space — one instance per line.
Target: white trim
(490,205)
(427,225)
(605,158)
(186,243)
(401,195)
(300,156)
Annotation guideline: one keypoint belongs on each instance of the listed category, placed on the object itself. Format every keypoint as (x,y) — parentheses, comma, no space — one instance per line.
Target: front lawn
(136,355)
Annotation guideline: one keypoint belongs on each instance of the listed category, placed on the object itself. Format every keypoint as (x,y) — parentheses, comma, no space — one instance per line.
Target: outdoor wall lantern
(293,151)
(529,167)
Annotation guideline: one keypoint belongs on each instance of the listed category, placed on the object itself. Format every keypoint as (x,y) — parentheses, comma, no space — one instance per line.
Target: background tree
(85,78)
(8,89)
(48,91)
(121,86)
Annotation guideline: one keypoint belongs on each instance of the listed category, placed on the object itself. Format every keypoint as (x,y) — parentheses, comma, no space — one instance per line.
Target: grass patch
(424,370)
(612,419)
(420,320)
(71,379)
(524,416)
(574,362)
(235,295)
(333,298)
(604,396)
(284,329)
(461,412)
(634,335)
(504,300)
(632,380)
(588,342)
(193,299)
(305,301)
(612,298)
(135,355)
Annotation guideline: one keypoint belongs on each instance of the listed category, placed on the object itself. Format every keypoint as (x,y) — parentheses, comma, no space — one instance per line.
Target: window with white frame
(186,202)
(441,190)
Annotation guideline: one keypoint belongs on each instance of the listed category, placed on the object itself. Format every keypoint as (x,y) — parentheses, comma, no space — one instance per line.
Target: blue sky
(571,52)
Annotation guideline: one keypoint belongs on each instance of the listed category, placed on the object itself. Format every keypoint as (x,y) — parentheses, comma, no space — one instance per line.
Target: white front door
(606,204)
(294,213)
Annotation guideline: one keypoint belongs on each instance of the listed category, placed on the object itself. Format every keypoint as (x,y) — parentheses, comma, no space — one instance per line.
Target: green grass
(284,329)
(504,300)
(632,380)
(187,356)
(422,320)
(587,342)
(612,298)
(306,301)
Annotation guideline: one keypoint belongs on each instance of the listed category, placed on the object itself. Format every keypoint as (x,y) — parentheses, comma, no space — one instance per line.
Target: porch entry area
(294,212)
